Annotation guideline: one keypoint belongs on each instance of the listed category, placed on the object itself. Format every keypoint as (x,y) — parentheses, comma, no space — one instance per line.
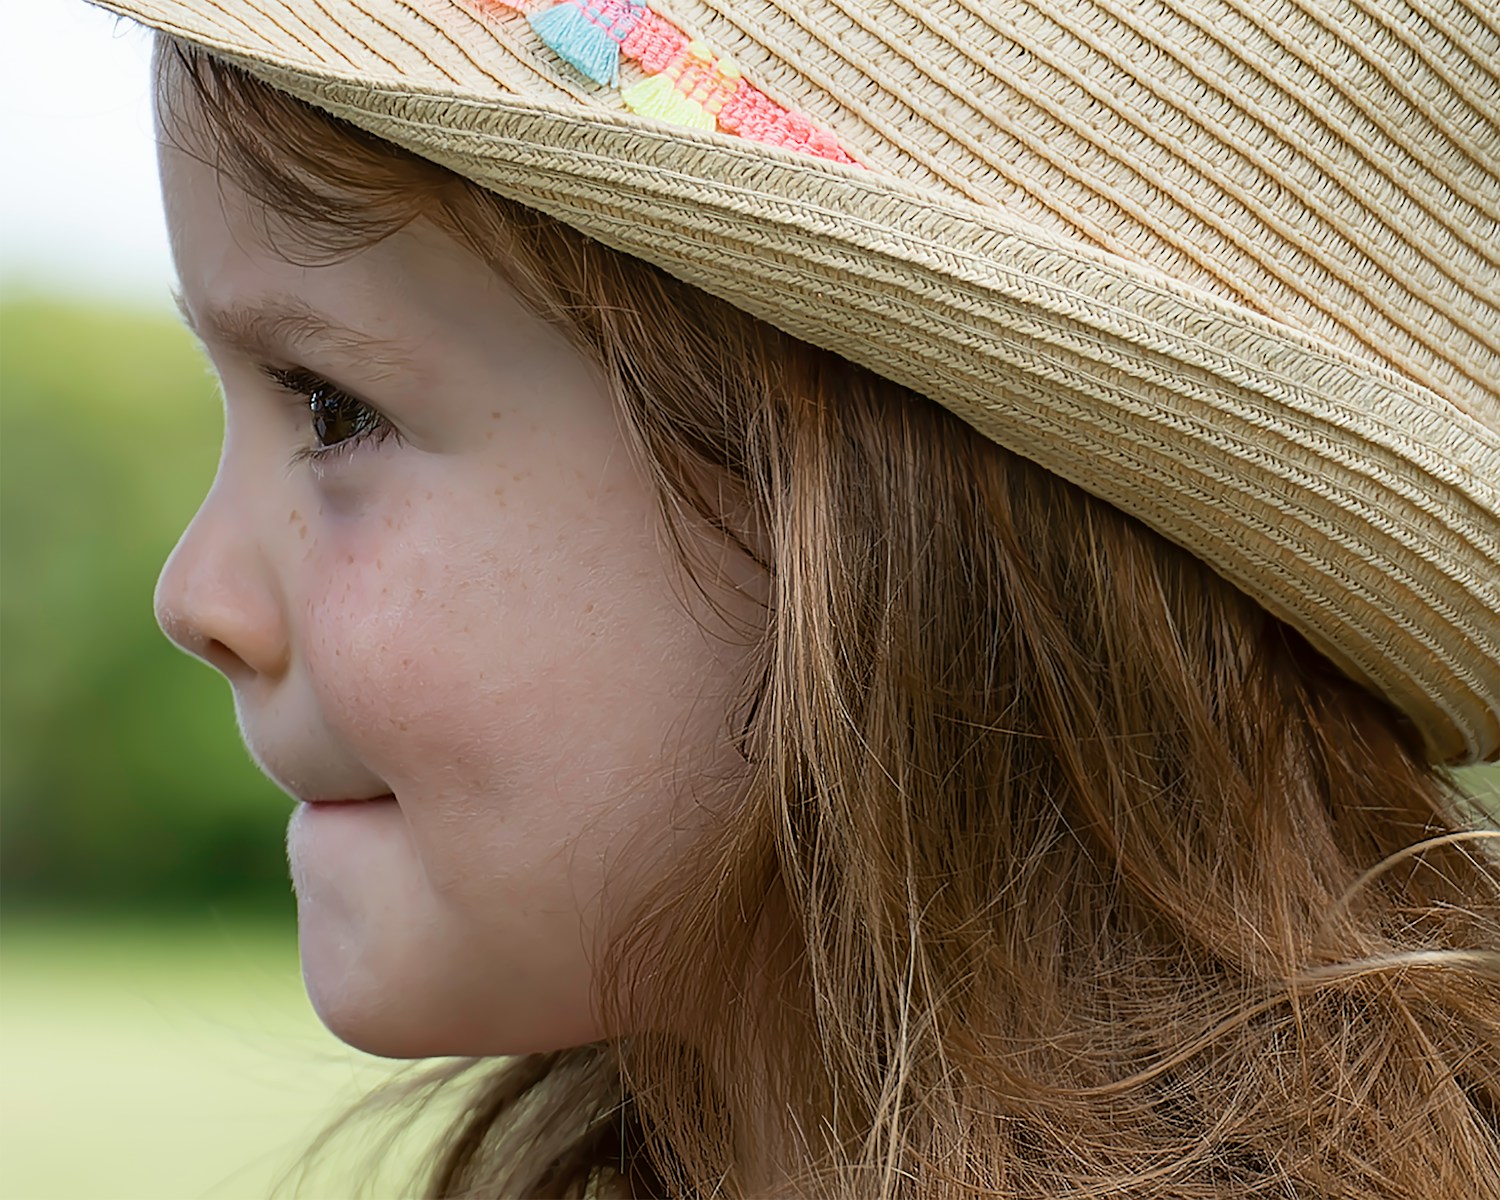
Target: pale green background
(150,1062)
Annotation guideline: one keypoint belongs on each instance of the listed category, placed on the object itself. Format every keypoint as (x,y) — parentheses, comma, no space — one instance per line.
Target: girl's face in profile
(432,573)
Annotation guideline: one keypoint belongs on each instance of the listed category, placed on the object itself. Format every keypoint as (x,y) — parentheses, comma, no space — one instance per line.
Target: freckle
(348,558)
(588,608)
(489,435)
(494,416)
(401,725)
(406,662)
(429,495)
(302,533)
(378,564)
(388,522)
(295,516)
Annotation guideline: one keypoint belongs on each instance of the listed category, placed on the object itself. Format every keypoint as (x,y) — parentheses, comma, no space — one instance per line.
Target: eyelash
(371,427)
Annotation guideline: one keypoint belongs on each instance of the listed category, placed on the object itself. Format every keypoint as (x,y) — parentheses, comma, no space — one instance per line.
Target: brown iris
(337,417)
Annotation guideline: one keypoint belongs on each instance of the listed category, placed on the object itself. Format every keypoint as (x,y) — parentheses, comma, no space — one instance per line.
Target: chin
(380,1030)
(404,1015)
(361,1011)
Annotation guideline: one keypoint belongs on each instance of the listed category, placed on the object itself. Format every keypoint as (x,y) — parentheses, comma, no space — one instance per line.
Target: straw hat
(1231,265)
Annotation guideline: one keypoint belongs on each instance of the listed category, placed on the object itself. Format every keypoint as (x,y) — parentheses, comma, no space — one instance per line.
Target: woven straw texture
(1231,265)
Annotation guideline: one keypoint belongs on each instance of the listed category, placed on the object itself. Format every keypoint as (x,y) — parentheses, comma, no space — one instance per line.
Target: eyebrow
(277,325)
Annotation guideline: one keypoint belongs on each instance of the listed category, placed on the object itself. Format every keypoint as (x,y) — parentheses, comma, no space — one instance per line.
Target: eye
(339,421)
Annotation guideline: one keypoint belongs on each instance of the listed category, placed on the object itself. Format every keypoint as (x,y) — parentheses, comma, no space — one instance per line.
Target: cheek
(404,628)
(519,686)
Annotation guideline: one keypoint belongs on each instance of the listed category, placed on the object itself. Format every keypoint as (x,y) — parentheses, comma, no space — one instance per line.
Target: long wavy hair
(1063,868)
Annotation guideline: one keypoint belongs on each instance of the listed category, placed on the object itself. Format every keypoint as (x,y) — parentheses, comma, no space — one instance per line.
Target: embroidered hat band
(1231,265)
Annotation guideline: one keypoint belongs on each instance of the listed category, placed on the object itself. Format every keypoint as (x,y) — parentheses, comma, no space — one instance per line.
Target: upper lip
(345,799)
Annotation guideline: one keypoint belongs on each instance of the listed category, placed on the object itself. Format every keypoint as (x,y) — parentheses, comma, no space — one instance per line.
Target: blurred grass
(166,1062)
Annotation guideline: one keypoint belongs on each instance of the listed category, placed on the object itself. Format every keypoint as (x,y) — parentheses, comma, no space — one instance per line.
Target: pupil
(332,422)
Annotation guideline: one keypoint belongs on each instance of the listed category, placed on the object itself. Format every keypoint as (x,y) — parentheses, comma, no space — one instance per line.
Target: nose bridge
(218,596)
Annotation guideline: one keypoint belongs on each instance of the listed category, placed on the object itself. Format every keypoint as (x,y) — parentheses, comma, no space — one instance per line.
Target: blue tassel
(568,31)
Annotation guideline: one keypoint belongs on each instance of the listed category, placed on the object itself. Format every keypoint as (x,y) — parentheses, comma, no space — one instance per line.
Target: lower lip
(318,811)
(321,835)
(310,816)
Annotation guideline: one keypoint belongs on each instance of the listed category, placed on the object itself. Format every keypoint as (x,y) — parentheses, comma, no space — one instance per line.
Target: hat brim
(1357,505)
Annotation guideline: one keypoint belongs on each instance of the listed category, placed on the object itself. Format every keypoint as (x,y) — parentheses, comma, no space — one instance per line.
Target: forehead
(324,189)
(213,154)
(270,200)
(409,300)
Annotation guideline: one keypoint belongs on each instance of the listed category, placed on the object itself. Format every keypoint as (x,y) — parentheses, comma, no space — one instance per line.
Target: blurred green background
(123,779)
(155,1041)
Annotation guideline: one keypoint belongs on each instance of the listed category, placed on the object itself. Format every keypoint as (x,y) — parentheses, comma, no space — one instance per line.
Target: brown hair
(1064,868)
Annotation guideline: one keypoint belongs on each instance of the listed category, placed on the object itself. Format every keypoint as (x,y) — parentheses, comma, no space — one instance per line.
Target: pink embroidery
(688,84)
(615,17)
(653,43)
(706,80)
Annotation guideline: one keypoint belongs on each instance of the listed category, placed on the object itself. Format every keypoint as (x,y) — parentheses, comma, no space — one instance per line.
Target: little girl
(868,599)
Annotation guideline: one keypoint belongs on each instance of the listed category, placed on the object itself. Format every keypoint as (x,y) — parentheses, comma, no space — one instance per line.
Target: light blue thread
(580,39)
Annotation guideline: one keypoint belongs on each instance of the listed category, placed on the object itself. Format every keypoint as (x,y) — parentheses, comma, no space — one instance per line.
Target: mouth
(330,803)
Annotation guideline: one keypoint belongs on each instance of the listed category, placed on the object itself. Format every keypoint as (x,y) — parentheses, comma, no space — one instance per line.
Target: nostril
(221,658)
(189,636)
(217,600)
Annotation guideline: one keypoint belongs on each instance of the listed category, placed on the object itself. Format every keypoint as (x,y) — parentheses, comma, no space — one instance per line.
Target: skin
(475,617)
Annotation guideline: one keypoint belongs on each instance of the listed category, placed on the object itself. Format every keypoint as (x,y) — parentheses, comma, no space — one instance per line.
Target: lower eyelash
(325,454)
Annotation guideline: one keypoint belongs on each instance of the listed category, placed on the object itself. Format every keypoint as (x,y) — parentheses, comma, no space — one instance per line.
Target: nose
(217,596)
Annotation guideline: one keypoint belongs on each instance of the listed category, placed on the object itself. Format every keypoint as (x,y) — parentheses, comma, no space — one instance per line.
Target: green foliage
(122,778)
